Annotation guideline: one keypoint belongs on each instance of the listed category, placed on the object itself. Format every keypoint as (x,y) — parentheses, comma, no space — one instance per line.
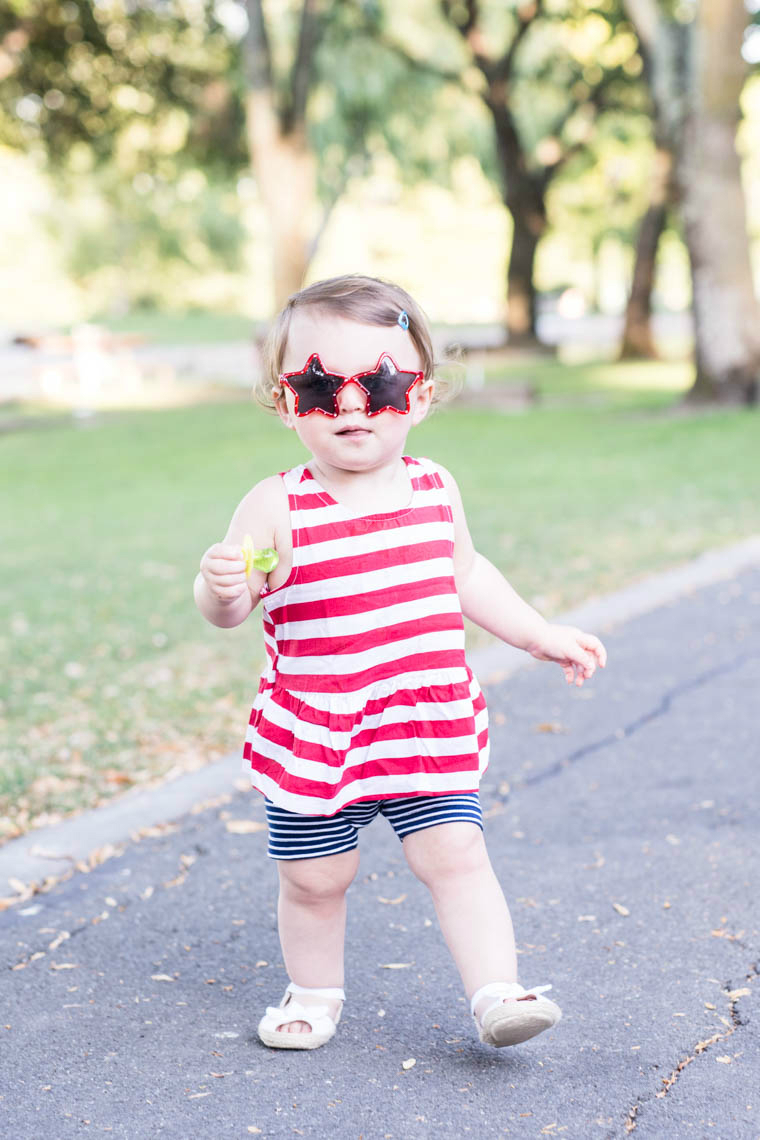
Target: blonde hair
(367,299)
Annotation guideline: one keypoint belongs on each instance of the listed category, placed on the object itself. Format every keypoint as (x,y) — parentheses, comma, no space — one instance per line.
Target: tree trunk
(521,291)
(638,340)
(285,171)
(283,164)
(726,312)
(524,197)
(696,74)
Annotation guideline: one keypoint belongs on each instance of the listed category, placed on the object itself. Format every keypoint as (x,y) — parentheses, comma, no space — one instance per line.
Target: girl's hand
(576,652)
(223,571)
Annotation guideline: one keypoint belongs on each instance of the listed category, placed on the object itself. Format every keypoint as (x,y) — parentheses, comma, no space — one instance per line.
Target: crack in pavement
(630,1121)
(630,729)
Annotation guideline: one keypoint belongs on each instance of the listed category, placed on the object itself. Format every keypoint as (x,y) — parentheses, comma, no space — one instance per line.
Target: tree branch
(496,71)
(596,97)
(257,53)
(469,30)
(470,20)
(302,73)
(473,17)
(416,62)
(526,15)
(551,169)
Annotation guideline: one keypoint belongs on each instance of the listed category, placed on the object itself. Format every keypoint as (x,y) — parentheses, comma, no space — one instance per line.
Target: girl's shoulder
(264,506)
(423,467)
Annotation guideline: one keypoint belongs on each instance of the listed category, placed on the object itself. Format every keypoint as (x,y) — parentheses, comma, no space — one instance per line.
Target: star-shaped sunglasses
(315,390)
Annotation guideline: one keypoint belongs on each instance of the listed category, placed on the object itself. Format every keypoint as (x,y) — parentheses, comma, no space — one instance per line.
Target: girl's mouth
(353,431)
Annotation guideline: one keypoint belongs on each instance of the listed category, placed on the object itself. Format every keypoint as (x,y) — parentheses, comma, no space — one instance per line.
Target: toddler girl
(367,704)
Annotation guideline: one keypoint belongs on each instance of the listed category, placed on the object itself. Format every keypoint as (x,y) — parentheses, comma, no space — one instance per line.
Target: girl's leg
(312,922)
(451,859)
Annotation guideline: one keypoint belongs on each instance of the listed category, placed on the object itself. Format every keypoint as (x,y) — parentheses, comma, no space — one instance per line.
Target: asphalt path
(623,820)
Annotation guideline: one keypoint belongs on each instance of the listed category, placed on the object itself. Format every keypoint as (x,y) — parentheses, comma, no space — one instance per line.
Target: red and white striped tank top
(366,693)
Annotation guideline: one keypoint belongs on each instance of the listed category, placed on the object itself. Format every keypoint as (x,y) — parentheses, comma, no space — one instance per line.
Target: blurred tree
(128,108)
(281,153)
(637,339)
(120,76)
(697,73)
(155,101)
(549,72)
(328,93)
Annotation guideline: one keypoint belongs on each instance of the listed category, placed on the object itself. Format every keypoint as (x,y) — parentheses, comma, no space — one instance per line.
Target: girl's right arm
(223,593)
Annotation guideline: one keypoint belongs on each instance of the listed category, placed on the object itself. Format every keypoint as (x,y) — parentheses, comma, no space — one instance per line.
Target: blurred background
(570,189)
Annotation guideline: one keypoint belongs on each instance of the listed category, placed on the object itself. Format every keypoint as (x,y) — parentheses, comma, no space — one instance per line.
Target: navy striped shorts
(295,836)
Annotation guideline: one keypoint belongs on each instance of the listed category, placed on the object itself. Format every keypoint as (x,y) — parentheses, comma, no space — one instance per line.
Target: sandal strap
(501,990)
(332,993)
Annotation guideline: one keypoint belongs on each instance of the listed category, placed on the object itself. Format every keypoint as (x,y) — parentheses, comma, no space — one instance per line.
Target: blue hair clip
(403,320)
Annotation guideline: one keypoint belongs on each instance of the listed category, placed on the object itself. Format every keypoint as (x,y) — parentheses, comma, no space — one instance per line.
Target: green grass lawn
(116,679)
(183,328)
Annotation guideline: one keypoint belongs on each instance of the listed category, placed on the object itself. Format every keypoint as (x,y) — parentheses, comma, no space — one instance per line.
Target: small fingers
(581,669)
(227,593)
(592,643)
(223,570)
(223,558)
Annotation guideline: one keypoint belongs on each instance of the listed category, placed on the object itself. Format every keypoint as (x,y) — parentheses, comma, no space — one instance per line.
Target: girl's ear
(423,400)
(281,404)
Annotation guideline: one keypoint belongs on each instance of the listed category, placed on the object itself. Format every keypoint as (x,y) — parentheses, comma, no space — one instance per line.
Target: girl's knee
(446,851)
(318,880)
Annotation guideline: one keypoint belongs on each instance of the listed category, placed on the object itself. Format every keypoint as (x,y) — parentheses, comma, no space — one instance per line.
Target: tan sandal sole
(277,1039)
(516,1021)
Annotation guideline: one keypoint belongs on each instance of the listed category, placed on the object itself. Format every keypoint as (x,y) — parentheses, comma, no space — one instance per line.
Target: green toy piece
(265,559)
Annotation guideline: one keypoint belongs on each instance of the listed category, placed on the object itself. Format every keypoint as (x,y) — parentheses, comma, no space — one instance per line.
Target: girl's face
(352,440)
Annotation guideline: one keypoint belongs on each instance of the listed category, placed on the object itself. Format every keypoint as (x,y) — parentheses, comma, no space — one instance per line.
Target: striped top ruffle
(366,693)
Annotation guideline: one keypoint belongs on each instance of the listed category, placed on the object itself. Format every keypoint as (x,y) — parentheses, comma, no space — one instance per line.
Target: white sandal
(515,1015)
(289,1010)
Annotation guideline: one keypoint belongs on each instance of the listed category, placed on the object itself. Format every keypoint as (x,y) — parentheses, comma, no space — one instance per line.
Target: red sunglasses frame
(285,377)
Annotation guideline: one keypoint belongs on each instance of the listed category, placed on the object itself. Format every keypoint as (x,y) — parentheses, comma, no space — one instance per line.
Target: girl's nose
(351,398)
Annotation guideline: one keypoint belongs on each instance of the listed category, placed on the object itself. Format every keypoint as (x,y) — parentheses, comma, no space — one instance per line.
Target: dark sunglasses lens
(315,388)
(388,387)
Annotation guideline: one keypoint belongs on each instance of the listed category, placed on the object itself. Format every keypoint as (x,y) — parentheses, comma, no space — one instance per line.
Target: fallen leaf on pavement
(114,776)
(245,826)
(621,909)
(409,1064)
(391,902)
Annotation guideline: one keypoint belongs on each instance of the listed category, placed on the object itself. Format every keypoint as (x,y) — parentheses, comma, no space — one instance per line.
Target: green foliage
(129,107)
(137,110)
(372,98)
(133,82)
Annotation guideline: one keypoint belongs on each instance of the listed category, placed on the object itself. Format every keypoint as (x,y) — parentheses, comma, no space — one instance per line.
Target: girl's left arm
(488,600)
